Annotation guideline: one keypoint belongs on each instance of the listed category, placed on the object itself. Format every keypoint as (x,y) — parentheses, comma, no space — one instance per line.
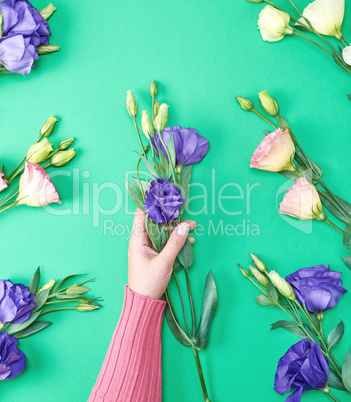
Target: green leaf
(135,194)
(177,266)
(57,287)
(185,177)
(186,255)
(347,260)
(272,294)
(13,328)
(334,381)
(347,237)
(40,299)
(154,230)
(209,306)
(262,300)
(34,283)
(306,162)
(144,183)
(335,211)
(148,165)
(283,124)
(335,335)
(312,335)
(174,328)
(289,326)
(346,371)
(33,329)
(171,150)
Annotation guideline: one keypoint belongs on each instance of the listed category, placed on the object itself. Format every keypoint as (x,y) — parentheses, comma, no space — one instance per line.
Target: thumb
(174,244)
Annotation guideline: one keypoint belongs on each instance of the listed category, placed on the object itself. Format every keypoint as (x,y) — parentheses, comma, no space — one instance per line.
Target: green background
(203,54)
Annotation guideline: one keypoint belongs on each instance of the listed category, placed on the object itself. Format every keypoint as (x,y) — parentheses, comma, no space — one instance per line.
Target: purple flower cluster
(12,359)
(318,287)
(16,303)
(23,30)
(302,368)
(190,147)
(163,201)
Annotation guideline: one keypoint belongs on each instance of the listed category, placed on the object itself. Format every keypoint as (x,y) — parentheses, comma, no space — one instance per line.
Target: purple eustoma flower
(163,201)
(16,302)
(12,360)
(317,286)
(24,29)
(302,368)
(190,147)
(17,54)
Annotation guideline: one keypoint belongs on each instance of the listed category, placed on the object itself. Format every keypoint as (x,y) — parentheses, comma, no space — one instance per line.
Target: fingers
(175,243)
(139,233)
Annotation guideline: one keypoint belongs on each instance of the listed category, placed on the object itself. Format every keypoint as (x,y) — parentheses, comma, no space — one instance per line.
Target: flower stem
(190,301)
(6,199)
(201,376)
(328,392)
(140,185)
(56,309)
(263,118)
(181,301)
(312,41)
(8,207)
(140,140)
(333,225)
(343,40)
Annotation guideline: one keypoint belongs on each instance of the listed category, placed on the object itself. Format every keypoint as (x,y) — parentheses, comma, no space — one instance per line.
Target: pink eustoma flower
(275,153)
(3,182)
(36,188)
(302,201)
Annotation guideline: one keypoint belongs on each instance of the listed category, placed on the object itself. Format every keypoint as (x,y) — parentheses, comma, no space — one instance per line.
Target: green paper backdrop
(203,54)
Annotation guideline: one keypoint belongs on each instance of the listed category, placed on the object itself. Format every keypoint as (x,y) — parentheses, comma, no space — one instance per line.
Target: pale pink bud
(275,153)
(302,201)
(3,182)
(36,188)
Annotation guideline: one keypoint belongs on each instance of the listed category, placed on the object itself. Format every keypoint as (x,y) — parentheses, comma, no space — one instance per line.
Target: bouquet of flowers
(320,18)
(280,151)
(304,296)
(21,308)
(35,187)
(164,197)
(24,35)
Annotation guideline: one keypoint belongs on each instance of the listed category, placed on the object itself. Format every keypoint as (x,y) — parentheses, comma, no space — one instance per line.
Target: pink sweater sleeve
(131,371)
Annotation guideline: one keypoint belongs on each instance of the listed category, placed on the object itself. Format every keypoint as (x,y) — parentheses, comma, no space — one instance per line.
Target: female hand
(148,271)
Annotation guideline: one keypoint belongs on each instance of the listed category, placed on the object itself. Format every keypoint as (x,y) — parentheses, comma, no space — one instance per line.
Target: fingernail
(183,229)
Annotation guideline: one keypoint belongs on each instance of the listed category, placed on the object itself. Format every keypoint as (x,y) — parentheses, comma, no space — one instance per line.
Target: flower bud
(161,118)
(259,264)
(38,152)
(47,12)
(45,49)
(246,104)
(282,285)
(63,145)
(262,279)
(274,24)
(48,286)
(48,127)
(153,89)
(156,108)
(146,124)
(244,272)
(62,157)
(77,290)
(269,104)
(87,307)
(131,105)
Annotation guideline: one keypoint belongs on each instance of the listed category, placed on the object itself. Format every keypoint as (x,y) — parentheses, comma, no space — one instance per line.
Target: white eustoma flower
(274,24)
(326,16)
(346,54)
